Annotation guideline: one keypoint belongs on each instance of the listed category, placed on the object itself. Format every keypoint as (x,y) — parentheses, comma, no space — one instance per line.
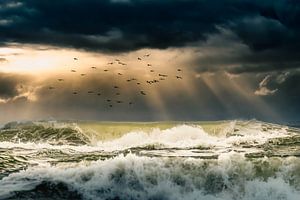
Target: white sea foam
(227,176)
(133,177)
(182,136)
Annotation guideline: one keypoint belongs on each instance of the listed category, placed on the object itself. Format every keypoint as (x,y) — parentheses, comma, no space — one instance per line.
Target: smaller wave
(183,136)
(42,133)
(194,136)
(11,164)
(60,136)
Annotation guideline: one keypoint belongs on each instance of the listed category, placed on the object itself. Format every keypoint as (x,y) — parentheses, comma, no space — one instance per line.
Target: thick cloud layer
(249,45)
(128,25)
(268,29)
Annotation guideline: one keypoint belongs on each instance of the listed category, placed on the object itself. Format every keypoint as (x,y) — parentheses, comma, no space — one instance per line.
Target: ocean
(218,160)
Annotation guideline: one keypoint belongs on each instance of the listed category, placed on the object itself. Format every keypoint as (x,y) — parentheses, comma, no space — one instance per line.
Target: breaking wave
(248,160)
(231,176)
(180,136)
(42,133)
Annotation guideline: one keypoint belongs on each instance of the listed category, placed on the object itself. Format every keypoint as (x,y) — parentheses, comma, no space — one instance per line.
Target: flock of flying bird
(162,77)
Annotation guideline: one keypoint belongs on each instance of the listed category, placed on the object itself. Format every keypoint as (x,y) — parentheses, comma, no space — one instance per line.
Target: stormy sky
(229,59)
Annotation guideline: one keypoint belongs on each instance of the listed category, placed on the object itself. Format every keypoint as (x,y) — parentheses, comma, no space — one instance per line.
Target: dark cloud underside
(235,40)
(9,84)
(123,26)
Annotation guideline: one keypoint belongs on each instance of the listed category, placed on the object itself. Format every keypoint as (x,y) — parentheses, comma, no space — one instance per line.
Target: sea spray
(213,160)
(231,176)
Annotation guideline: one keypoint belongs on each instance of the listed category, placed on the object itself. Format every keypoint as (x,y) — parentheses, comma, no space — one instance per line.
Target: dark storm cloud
(9,84)
(129,25)
(286,98)
(256,40)
(264,67)
(226,51)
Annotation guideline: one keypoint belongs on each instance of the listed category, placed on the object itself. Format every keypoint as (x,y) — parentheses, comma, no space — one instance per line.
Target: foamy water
(242,160)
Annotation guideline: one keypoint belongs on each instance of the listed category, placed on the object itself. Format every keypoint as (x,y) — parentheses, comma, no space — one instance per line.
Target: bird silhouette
(149,65)
(121,63)
(73,70)
(179,70)
(110,63)
(108,100)
(178,77)
(163,75)
(120,74)
(94,67)
(151,70)
(119,101)
(111,105)
(152,81)
(82,74)
(143,93)
(99,94)
(90,92)
(75,93)
(139,58)
(106,70)
(60,79)
(51,88)
(116,87)
(147,55)
(75,58)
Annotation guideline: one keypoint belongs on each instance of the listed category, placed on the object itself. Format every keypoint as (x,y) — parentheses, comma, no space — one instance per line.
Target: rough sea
(221,160)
